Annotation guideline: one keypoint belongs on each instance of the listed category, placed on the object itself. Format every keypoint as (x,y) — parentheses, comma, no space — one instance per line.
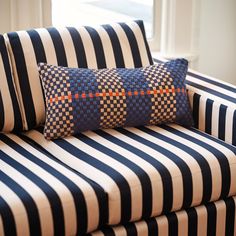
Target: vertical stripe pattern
(41,196)
(149,171)
(10,115)
(216,218)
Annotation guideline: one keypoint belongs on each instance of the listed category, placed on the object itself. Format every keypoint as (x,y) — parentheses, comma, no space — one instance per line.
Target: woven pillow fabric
(88,99)
(10,116)
(106,46)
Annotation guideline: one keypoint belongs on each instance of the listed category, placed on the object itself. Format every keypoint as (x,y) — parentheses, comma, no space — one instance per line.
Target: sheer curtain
(24,14)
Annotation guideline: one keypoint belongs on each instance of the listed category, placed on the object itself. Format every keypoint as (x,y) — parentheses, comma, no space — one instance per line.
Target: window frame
(155,41)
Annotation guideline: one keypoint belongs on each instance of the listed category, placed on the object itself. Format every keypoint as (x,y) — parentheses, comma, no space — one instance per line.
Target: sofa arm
(213,104)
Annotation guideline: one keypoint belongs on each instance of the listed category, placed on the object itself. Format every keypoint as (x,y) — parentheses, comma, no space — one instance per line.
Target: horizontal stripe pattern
(149,171)
(84,95)
(217,218)
(107,46)
(213,104)
(39,195)
(10,116)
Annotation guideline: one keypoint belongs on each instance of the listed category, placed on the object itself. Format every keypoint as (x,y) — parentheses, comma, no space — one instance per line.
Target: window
(94,12)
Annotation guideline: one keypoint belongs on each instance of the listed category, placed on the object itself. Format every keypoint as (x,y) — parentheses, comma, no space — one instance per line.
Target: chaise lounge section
(147,180)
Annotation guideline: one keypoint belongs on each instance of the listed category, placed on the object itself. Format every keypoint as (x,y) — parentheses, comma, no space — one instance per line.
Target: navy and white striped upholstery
(10,117)
(217,218)
(107,46)
(39,195)
(149,171)
(213,104)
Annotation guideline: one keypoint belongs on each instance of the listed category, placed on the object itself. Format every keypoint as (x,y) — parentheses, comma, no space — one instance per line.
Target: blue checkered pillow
(88,99)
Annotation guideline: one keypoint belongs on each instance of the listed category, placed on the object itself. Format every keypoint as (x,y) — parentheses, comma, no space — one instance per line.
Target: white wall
(5,24)
(24,14)
(217,39)
(204,32)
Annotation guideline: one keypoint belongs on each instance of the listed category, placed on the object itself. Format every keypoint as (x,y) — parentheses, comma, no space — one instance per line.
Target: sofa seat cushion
(149,171)
(39,195)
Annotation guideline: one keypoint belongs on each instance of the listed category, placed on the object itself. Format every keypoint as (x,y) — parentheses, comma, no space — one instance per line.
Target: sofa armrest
(213,104)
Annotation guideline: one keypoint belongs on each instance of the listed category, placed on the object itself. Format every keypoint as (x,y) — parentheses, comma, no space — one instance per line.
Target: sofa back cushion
(107,46)
(10,117)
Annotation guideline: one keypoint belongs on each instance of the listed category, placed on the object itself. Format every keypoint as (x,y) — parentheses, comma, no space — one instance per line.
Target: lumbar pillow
(88,99)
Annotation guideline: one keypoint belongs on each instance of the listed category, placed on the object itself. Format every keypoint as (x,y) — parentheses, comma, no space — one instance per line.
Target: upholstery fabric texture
(10,116)
(78,100)
(214,106)
(107,46)
(149,171)
(216,218)
(79,184)
(213,103)
(42,196)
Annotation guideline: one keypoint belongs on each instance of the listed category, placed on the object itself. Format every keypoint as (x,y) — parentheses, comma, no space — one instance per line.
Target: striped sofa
(137,181)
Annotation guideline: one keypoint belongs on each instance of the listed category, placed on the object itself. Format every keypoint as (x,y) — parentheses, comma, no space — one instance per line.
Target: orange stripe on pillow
(117,94)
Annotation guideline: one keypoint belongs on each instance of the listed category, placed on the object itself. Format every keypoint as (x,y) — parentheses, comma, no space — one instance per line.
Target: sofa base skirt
(216,218)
